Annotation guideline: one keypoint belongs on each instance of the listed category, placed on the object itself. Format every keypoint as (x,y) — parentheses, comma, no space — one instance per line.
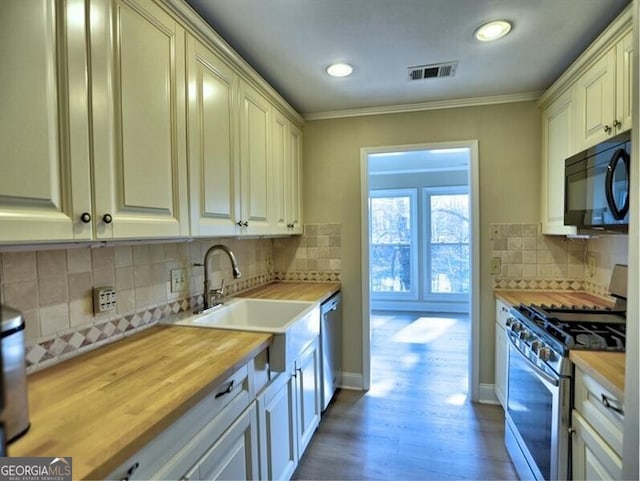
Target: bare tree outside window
(391,244)
(449,244)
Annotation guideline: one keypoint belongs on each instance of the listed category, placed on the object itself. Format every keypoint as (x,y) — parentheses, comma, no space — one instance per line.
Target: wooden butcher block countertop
(104,406)
(516,297)
(294,291)
(605,367)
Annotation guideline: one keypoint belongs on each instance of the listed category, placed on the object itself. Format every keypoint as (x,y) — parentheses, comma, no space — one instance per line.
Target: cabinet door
(595,92)
(293,180)
(235,455)
(558,135)
(592,458)
(138,81)
(308,392)
(279,173)
(254,164)
(45,183)
(502,351)
(624,83)
(278,434)
(213,147)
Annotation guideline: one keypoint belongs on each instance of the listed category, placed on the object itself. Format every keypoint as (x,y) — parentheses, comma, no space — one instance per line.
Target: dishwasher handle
(331,304)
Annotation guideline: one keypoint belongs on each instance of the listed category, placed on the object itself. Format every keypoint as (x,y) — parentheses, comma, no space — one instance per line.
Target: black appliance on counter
(596,188)
(540,376)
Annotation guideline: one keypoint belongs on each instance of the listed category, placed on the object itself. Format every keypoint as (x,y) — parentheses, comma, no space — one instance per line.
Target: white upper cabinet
(286,156)
(603,95)
(139,134)
(44,134)
(624,81)
(213,146)
(130,119)
(293,180)
(557,144)
(279,140)
(253,202)
(589,103)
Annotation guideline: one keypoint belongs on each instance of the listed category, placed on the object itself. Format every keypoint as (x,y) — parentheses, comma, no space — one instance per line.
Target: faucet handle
(220,290)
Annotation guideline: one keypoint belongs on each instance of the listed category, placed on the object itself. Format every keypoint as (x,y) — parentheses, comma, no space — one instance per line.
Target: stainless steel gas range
(540,379)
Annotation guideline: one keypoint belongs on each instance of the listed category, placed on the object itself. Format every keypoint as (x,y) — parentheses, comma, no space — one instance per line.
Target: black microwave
(596,186)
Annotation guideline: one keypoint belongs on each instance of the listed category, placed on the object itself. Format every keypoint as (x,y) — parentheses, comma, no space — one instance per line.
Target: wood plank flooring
(416,421)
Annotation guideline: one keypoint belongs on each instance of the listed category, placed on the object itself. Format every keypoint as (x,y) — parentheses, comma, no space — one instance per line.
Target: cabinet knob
(617,124)
(245,224)
(239,223)
(132,469)
(107,218)
(607,129)
(85,217)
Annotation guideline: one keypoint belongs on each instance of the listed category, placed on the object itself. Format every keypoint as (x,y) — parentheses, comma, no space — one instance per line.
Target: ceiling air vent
(435,70)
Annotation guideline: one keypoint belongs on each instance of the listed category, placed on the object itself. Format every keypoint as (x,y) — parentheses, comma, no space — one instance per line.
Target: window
(447,210)
(393,243)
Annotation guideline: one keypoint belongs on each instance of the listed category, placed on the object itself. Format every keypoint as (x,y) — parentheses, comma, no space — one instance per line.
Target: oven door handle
(539,372)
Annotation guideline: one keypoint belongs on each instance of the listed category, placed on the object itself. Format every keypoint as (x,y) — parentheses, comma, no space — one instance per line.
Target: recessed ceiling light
(493,30)
(339,70)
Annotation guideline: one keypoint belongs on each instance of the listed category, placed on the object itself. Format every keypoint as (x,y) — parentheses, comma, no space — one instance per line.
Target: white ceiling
(291,42)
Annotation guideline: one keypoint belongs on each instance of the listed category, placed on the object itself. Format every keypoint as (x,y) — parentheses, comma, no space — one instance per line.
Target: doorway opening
(420,259)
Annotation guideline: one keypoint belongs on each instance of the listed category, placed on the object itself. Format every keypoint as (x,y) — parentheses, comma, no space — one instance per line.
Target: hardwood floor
(416,421)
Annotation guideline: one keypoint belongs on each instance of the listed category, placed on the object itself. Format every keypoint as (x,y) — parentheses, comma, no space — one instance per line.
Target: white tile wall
(53,288)
(534,261)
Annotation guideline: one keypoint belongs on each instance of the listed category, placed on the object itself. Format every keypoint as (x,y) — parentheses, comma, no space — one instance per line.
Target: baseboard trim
(487,394)
(351,380)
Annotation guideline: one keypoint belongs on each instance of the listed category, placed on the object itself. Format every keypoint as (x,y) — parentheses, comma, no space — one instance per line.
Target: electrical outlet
(104,299)
(495,266)
(177,280)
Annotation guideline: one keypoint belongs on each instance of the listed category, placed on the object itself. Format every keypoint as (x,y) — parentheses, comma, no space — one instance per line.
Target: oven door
(538,409)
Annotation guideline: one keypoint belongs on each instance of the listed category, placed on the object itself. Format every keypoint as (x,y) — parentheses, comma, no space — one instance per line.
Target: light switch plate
(177,280)
(495,266)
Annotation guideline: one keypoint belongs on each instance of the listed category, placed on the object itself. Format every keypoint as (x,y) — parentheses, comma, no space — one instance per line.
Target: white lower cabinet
(308,395)
(502,353)
(289,414)
(234,455)
(597,426)
(278,431)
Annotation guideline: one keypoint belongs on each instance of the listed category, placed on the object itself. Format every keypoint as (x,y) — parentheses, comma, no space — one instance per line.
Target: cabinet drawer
(600,409)
(228,400)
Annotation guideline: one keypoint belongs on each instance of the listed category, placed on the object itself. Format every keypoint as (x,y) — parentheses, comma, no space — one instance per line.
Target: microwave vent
(435,70)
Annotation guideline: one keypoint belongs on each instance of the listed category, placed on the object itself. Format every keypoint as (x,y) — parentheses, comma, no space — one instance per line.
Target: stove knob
(525,335)
(544,353)
(510,321)
(517,327)
(535,346)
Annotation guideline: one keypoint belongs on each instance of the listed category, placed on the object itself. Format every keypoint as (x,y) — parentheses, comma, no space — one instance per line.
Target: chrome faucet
(219,292)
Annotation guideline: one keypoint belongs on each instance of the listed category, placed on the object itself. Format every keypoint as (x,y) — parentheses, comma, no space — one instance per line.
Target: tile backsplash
(53,287)
(530,260)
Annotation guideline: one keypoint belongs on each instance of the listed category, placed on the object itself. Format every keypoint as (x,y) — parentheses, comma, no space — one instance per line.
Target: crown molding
(418,107)
(198,27)
(621,26)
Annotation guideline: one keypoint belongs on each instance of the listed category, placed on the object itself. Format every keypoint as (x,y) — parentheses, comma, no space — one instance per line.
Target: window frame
(426,194)
(414,211)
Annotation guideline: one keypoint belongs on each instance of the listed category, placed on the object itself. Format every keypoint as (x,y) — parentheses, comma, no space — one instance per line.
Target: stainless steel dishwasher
(330,346)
